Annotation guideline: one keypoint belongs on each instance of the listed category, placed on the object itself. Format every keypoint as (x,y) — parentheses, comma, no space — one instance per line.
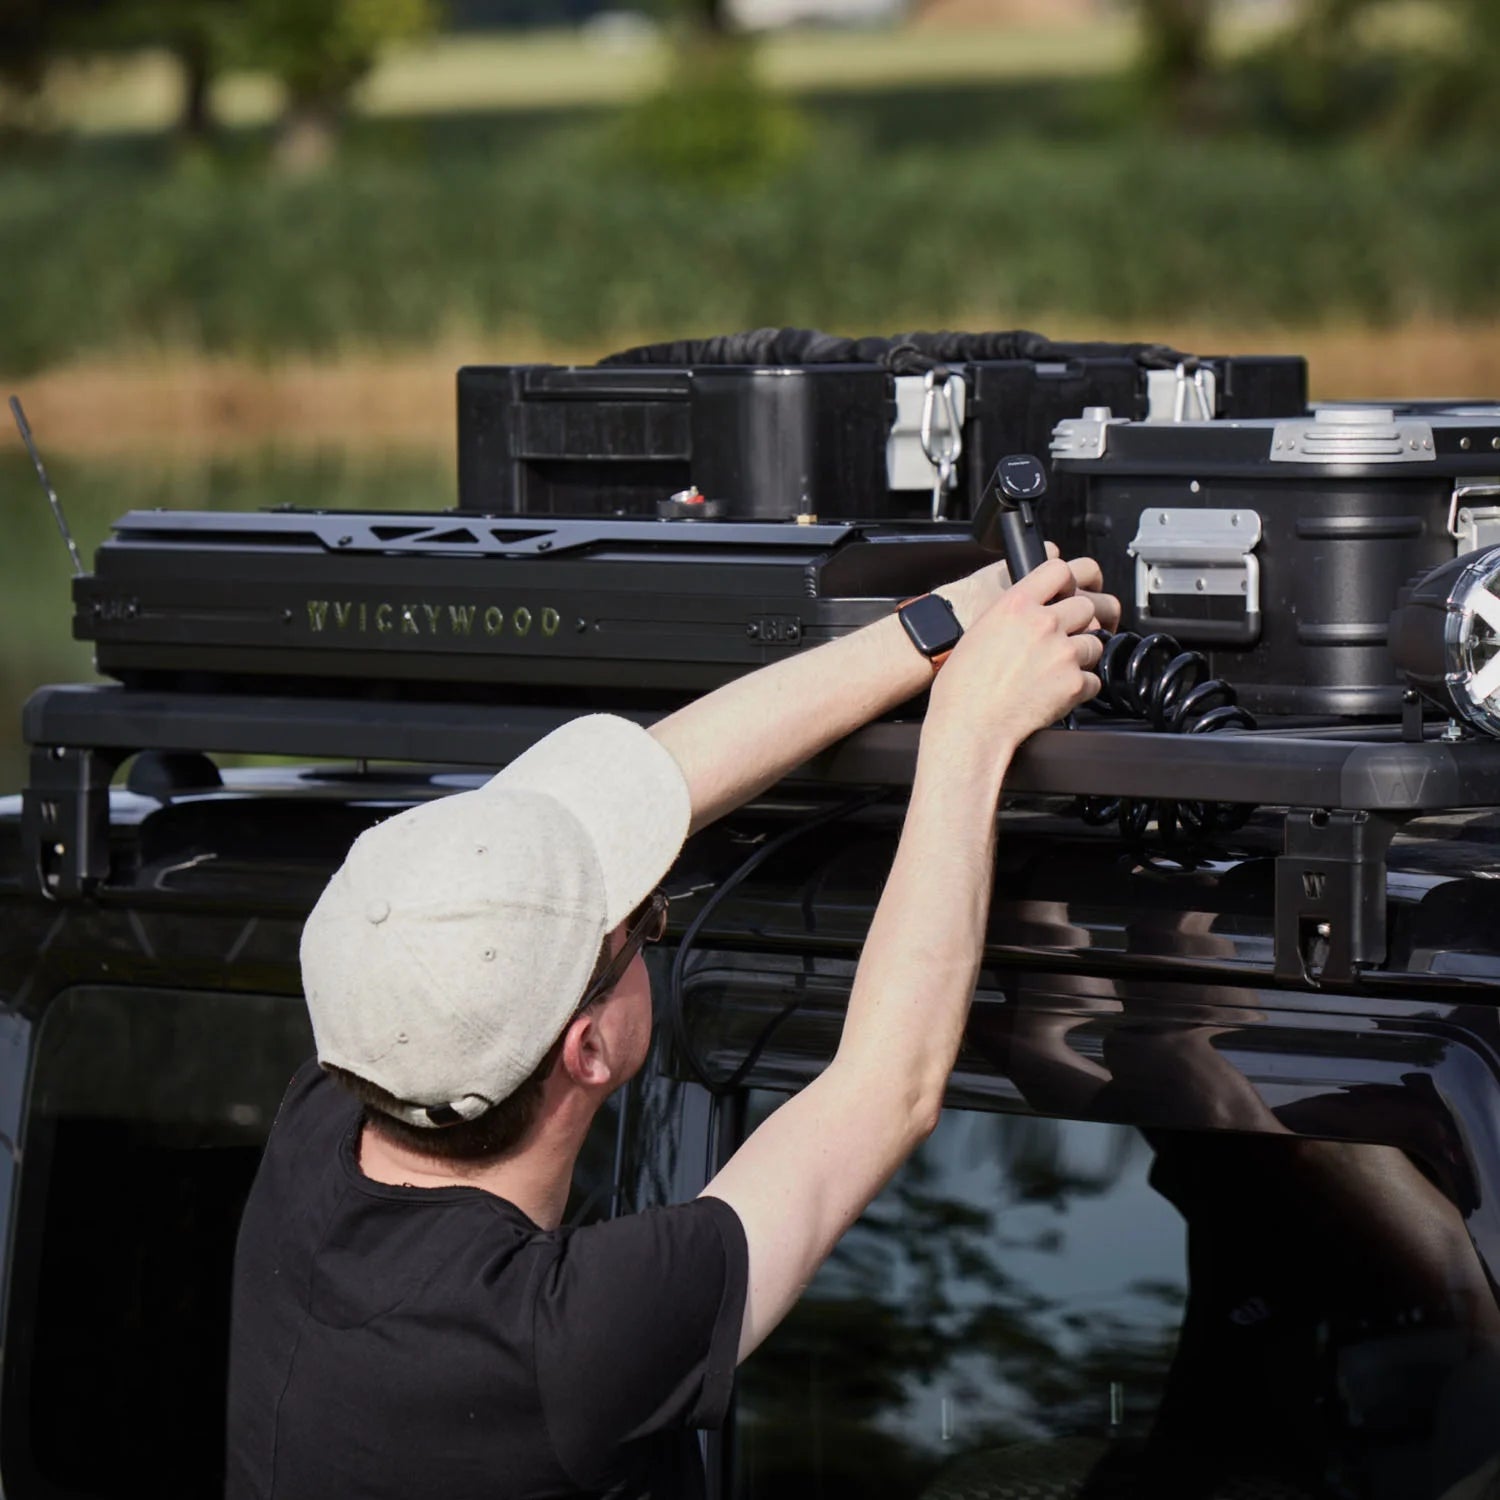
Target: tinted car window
(1074,1290)
(1017,1285)
(1046,1308)
(147,1116)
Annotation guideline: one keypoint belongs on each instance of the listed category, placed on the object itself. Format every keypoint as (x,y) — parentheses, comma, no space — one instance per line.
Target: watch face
(931,624)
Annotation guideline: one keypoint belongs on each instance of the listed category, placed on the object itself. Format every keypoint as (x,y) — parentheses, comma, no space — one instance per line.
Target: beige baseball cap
(452,945)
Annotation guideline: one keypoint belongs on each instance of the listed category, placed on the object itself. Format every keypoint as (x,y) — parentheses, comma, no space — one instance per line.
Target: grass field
(487,206)
(177,412)
(1000,204)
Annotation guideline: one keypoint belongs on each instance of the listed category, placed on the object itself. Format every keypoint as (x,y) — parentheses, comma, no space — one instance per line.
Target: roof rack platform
(1347,789)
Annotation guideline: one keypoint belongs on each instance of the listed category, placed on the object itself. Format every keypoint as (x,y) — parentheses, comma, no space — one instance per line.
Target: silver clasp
(942,455)
(1196,382)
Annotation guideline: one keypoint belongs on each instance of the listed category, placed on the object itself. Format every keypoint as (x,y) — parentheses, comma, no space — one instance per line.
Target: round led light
(1445,638)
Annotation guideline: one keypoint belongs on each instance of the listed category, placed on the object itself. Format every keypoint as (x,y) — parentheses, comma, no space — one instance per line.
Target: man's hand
(973,595)
(1027,660)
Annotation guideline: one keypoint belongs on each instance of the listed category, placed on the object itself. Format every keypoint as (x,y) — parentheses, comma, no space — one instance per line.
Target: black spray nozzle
(1006,518)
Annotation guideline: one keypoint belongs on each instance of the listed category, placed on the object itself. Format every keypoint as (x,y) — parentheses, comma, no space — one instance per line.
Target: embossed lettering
(422,618)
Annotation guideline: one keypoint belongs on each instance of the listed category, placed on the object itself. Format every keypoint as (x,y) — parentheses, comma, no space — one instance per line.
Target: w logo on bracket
(1390,779)
(1314,882)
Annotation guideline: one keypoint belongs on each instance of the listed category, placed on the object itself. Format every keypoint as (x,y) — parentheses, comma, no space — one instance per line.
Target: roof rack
(1346,789)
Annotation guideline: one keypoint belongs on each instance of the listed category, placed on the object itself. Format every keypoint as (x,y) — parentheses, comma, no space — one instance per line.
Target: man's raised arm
(736,741)
(811,1169)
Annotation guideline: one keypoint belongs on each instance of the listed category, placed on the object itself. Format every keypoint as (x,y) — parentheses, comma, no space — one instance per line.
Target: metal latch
(1352,435)
(1201,554)
(1086,436)
(929,421)
(1189,393)
(1474,526)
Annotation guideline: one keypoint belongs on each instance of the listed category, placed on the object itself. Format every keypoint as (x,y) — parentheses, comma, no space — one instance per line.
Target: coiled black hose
(1153,678)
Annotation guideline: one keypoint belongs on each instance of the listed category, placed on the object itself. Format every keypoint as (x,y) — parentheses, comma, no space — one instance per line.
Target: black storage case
(445,607)
(771,443)
(1318,521)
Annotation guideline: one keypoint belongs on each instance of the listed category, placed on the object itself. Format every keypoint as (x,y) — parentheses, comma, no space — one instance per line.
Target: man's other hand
(1026,661)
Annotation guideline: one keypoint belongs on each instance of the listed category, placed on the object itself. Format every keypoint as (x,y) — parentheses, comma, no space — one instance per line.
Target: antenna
(41,473)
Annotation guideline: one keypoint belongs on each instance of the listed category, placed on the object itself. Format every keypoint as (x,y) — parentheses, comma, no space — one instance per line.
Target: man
(408,1315)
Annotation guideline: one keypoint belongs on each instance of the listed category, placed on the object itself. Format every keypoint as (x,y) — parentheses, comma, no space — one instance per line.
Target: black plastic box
(1279,548)
(835,441)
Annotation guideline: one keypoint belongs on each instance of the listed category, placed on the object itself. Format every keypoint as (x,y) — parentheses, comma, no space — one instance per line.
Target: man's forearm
(746,735)
(917,971)
(809,1171)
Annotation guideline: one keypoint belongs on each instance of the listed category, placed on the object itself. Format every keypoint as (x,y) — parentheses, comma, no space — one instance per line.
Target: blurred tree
(27,35)
(713,124)
(199,34)
(499,15)
(1175,59)
(34,32)
(709,16)
(319,50)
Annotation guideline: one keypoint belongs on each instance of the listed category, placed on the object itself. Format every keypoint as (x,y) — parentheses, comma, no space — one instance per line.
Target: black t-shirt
(408,1341)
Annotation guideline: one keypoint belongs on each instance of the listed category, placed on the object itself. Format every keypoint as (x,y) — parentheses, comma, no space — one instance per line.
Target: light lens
(1474,652)
(1445,638)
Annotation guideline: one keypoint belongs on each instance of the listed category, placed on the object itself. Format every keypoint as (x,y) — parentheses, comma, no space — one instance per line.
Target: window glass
(1016,1289)
(1045,1306)
(1074,1309)
(147,1117)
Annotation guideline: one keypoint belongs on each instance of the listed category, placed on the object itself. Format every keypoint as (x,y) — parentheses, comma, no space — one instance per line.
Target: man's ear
(585,1055)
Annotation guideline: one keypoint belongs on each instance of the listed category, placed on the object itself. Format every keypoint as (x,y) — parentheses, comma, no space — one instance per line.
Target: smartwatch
(933,627)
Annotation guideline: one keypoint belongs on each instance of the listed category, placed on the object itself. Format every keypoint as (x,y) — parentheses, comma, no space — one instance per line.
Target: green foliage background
(555,233)
(1334,173)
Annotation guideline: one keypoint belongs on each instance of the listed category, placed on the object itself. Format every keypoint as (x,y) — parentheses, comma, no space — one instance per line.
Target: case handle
(1456,527)
(1204,553)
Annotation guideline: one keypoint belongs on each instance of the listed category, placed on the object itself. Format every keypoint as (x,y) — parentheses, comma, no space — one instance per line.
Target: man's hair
(498,1131)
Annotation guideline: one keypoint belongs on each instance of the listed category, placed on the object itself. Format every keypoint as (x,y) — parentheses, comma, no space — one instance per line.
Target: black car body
(1189,1225)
